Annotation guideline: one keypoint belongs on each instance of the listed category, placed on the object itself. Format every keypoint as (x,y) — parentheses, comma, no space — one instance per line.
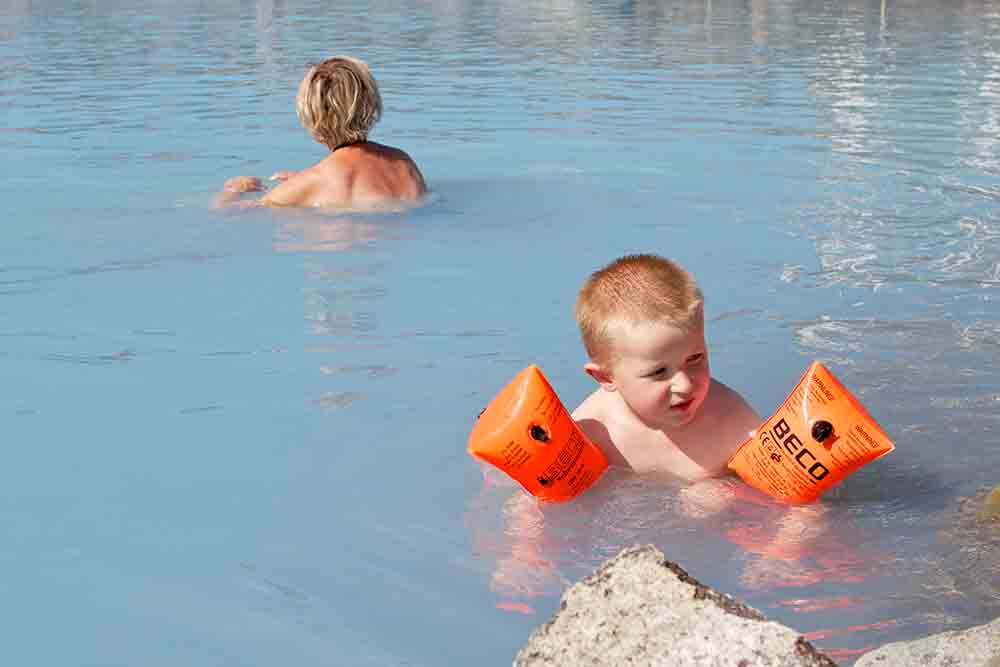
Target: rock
(640,609)
(991,506)
(974,569)
(975,647)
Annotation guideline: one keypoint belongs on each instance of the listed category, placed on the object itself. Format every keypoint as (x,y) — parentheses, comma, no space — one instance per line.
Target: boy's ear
(601,375)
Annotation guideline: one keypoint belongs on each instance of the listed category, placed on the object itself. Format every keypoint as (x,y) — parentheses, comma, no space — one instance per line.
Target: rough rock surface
(975,568)
(640,609)
(975,647)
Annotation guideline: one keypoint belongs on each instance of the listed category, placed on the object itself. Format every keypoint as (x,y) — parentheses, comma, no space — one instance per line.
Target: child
(338,103)
(658,408)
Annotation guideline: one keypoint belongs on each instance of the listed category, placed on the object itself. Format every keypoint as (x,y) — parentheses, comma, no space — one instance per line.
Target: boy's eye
(658,372)
(696,358)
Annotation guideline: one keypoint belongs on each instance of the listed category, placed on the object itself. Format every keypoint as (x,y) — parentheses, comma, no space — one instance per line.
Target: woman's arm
(232,190)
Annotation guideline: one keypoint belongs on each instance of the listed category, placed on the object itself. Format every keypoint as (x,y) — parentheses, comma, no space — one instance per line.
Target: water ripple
(336,400)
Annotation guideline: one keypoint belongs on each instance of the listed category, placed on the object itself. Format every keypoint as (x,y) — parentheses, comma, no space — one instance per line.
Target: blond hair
(632,290)
(338,101)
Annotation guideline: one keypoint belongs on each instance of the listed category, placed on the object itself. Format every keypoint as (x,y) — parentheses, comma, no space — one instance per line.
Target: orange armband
(819,436)
(526,432)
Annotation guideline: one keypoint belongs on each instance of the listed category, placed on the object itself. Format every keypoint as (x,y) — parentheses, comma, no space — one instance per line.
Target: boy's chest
(693,457)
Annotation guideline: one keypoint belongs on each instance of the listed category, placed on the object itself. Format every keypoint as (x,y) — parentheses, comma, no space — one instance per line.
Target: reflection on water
(823,566)
(284,395)
(342,232)
(800,561)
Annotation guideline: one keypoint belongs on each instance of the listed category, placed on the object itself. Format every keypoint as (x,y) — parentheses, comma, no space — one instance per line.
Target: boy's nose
(681,383)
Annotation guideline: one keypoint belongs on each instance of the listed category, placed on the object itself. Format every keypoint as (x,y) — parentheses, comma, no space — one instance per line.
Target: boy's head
(634,290)
(642,323)
(338,101)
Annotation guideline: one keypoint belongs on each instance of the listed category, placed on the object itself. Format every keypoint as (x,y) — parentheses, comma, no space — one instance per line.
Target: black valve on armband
(821,430)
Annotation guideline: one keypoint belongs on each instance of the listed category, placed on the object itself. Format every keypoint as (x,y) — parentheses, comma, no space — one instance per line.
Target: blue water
(240,439)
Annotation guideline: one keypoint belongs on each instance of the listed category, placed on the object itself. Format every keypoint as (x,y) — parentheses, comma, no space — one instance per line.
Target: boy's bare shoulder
(731,411)
(728,397)
(723,391)
(598,423)
(594,413)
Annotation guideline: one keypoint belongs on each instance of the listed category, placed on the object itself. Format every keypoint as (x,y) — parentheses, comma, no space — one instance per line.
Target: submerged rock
(974,567)
(991,506)
(640,609)
(975,647)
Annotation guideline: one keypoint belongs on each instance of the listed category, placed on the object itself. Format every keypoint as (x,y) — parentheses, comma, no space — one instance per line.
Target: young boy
(658,408)
(338,103)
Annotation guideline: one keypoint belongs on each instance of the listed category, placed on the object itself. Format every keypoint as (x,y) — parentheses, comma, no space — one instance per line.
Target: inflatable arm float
(527,433)
(819,436)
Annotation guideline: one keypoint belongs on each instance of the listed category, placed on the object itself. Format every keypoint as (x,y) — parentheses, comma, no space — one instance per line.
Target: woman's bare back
(361,175)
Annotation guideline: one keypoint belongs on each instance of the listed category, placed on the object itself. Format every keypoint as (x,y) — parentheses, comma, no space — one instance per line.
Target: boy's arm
(710,496)
(588,417)
(741,420)
(597,433)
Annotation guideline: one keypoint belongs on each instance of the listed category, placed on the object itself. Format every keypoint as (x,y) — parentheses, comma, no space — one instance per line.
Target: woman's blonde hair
(634,289)
(338,101)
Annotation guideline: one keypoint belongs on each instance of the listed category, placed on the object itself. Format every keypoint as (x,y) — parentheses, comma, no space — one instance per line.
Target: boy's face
(660,370)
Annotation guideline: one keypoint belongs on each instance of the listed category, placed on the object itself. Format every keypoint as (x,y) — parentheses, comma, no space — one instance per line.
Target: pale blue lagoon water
(240,439)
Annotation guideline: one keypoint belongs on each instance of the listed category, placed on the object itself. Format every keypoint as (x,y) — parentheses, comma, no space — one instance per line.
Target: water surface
(241,439)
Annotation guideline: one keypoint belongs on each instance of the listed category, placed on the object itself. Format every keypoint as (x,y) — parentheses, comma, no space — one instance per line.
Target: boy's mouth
(682,407)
